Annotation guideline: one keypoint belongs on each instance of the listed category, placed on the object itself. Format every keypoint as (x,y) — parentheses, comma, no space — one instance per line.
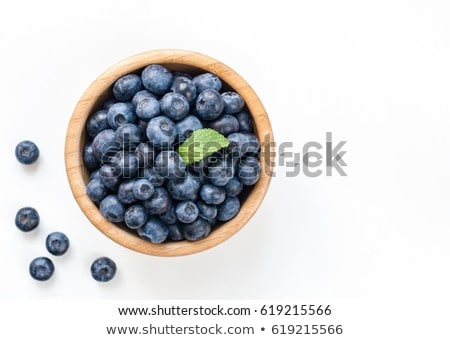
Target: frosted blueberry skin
(212,194)
(207,81)
(174,105)
(249,171)
(155,178)
(234,187)
(206,211)
(27,219)
(112,209)
(196,230)
(129,135)
(245,121)
(27,152)
(57,243)
(110,176)
(186,211)
(184,188)
(169,164)
(143,189)
(89,158)
(188,125)
(233,102)
(121,113)
(103,269)
(228,209)
(135,216)
(155,230)
(159,203)
(157,79)
(97,122)
(126,87)
(104,145)
(143,94)
(186,87)
(41,268)
(96,190)
(125,192)
(209,104)
(148,108)
(225,124)
(161,131)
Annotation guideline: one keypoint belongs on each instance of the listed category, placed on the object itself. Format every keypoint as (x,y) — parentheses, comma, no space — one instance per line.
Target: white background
(376,74)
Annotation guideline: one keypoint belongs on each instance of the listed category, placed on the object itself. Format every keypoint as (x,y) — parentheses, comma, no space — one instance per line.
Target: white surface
(376,75)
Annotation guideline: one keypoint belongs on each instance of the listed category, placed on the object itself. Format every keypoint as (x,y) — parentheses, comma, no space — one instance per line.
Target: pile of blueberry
(139,179)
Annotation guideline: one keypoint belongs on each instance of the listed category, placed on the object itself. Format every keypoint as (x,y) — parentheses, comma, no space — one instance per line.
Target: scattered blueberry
(209,104)
(27,152)
(112,209)
(157,79)
(27,219)
(103,269)
(41,268)
(155,230)
(135,216)
(57,243)
(196,230)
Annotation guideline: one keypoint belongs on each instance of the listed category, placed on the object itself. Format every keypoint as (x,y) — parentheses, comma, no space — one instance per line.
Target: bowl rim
(77,174)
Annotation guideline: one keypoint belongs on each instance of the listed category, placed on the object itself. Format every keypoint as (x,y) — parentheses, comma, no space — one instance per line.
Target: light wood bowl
(99,91)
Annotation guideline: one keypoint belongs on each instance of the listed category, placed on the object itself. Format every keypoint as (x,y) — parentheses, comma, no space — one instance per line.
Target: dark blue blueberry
(169,216)
(155,230)
(41,268)
(161,131)
(108,103)
(212,194)
(145,154)
(234,187)
(233,102)
(143,124)
(125,192)
(27,152)
(96,190)
(206,211)
(143,189)
(129,135)
(105,145)
(27,219)
(245,121)
(174,105)
(186,211)
(135,216)
(112,209)
(169,164)
(206,81)
(127,162)
(228,209)
(148,108)
(184,188)
(110,176)
(103,269)
(188,125)
(225,124)
(249,170)
(121,113)
(94,174)
(221,172)
(143,94)
(177,74)
(155,178)
(175,232)
(157,79)
(242,143)
(97,122)
(57,243)
(185,87)
(126,87)
(159,203)
(89,158)
(209,104)
(197,230)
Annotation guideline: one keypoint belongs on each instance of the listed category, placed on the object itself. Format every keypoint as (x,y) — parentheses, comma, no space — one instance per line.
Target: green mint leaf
(202,143)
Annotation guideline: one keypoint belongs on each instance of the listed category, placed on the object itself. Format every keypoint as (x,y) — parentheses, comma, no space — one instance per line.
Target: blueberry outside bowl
(99,91)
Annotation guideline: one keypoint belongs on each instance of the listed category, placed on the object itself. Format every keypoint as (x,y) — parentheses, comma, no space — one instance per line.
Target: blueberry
(212,194)
(249,170)
(89,158)
(206,211)
(104,145)
(127,162)
(174,105)
(103,269)
(27,219)
(184,188)
(169,216)
(112,209)
(110,176)
(125,192)
(155,178)
(206,81)
(129,135)
(245,121)
(145,154)
(175,232)
(169,164)
(135,216)
(41,268)
(233,102)
(225,124)
(161,131)
(188,125)
(157,79)
(94,174)
(242,143)
(97,122)
(96,190)
(159,203)
(143,189)
(221,172)
(209,104)
(234,187)
(228,209)
(197,230)
(126,87)
(186,211)
(27,152)
(148,108)
(177,74)
(121,113)
(107,104)
(155,230)
(185,87)
(143,94)
(57,243)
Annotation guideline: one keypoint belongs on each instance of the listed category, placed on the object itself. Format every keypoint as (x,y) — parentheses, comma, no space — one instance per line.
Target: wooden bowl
(99,91)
